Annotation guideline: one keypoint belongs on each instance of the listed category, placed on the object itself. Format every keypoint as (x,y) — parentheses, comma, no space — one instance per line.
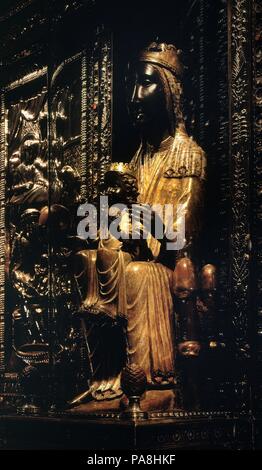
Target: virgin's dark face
(146,99)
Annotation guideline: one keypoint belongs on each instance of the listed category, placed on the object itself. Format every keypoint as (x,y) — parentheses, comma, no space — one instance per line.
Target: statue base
(164,431)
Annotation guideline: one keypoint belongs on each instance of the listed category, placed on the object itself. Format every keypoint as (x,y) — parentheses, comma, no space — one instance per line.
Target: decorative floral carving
(240,138)
(98,114)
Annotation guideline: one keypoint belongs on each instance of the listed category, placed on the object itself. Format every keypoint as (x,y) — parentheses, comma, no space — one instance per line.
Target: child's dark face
(118,189)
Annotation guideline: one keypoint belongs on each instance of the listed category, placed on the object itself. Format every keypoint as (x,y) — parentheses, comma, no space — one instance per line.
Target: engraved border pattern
(257,165)
(2,230)
(240,148)
(99,113)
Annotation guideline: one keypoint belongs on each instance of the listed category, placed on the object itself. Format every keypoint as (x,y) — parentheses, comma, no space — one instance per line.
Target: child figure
(115,253)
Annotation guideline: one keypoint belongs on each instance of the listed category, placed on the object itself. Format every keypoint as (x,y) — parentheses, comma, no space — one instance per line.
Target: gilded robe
(172,174)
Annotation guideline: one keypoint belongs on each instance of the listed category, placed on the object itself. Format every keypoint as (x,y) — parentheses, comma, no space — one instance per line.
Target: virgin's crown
(164,55)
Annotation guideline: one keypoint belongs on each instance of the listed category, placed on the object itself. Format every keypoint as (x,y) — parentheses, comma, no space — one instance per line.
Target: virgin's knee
(135,278)
(135,268)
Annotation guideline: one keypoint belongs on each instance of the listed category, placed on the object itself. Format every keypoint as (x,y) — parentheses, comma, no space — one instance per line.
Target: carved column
(2,232)
(256,279)
(98,114)
(240,137)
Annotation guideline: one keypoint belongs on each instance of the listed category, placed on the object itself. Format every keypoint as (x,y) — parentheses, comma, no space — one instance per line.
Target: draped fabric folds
(173,174)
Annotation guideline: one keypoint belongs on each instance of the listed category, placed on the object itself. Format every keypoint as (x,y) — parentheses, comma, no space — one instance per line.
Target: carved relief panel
(38,181)
(55,144)
(27,191)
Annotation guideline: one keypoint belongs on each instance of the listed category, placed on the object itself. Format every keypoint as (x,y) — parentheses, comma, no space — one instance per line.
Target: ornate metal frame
(238,137)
